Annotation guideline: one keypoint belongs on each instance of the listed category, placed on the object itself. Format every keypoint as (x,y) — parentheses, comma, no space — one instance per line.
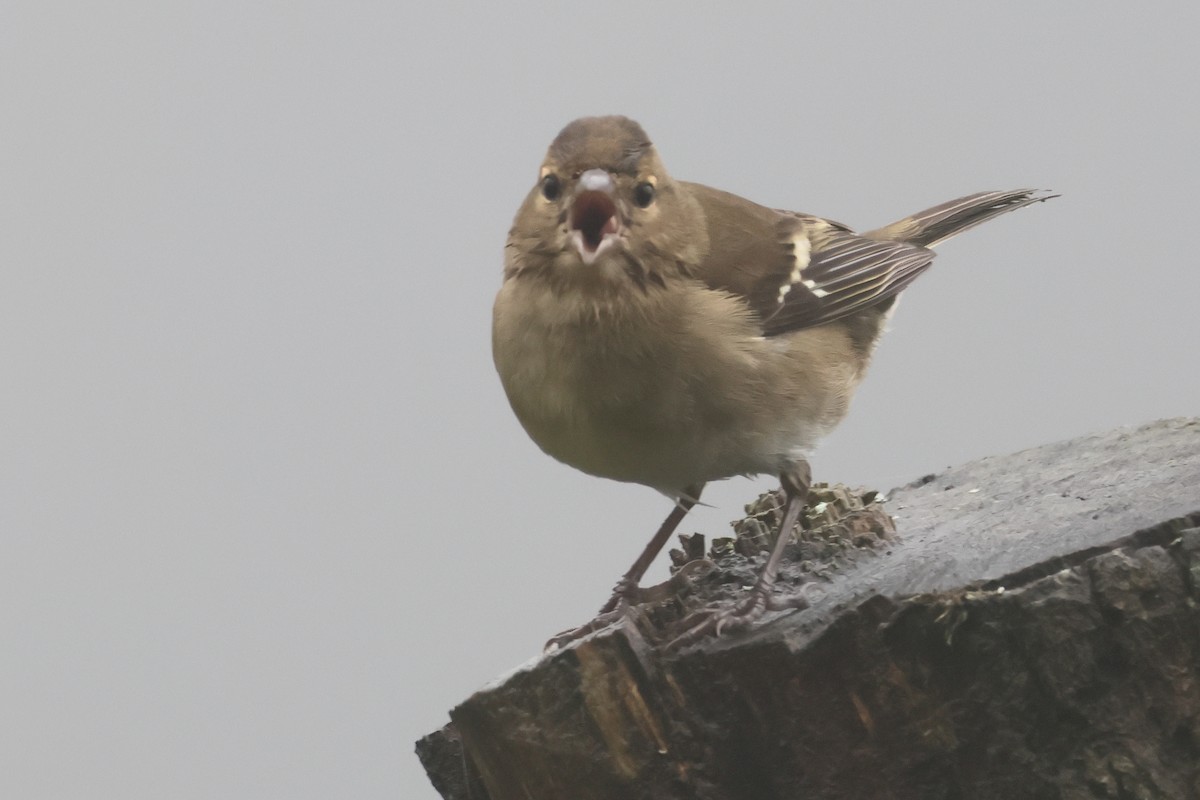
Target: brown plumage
(666,333)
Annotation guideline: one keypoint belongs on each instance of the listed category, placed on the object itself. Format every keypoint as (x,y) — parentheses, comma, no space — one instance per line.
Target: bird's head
(604,206)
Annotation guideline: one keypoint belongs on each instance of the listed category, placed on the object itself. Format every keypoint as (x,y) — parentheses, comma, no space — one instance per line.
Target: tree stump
(1028,629)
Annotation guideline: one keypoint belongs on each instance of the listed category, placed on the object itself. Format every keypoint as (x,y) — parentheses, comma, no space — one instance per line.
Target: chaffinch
(661,332)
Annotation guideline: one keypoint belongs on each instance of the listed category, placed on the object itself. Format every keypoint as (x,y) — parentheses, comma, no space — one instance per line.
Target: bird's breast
(665,389)
(584,380)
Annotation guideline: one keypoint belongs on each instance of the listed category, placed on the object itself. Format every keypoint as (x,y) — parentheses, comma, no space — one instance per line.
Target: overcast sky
(265,514)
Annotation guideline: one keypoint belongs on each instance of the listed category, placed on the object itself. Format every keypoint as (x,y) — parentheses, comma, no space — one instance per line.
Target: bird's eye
(643,194)
(551,187)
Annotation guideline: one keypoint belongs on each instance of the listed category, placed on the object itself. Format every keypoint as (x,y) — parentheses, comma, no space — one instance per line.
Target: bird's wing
(797,271)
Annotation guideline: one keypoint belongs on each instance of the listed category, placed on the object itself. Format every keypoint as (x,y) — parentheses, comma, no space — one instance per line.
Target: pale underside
(712,397)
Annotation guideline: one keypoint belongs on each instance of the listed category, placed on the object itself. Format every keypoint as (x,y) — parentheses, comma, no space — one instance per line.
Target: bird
(661,332)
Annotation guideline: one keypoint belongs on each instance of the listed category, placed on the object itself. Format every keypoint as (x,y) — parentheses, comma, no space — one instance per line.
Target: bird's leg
(796,481)
(627,591)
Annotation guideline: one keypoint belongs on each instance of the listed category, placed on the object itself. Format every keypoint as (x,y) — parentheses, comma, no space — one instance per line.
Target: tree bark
(1031,631)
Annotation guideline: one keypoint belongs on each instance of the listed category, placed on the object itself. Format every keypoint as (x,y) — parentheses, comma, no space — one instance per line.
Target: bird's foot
(626,597)
(740,616)
(600,622)
(625,594)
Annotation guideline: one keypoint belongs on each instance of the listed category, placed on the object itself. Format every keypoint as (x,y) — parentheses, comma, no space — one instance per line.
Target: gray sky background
(265,514)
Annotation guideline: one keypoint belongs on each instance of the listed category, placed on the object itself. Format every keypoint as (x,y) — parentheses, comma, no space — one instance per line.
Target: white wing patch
(801,255)
(812,287)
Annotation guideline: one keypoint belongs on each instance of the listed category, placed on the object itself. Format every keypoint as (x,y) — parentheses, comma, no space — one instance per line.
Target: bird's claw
(716,622)
(624,595)
(602,620)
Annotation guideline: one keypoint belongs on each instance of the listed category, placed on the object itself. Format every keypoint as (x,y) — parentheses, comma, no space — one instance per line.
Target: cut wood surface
(1029,630)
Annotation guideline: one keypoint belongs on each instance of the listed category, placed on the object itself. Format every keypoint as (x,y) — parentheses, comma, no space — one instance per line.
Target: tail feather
(939,223)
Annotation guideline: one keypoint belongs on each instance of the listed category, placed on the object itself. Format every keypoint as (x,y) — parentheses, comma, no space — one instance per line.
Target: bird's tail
(939,223)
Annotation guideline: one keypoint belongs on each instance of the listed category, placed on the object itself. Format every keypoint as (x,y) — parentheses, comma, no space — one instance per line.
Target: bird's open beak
(593,216)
